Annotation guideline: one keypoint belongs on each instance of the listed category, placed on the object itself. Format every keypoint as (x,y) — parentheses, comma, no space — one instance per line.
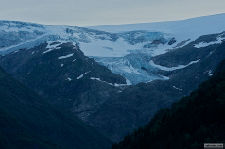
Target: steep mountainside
(62,74)
(194,120)
(28,121)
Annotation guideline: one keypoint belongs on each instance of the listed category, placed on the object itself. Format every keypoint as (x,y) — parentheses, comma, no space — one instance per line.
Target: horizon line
(46,24)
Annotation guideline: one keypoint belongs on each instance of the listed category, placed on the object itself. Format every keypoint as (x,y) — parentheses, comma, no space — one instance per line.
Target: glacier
(124,49)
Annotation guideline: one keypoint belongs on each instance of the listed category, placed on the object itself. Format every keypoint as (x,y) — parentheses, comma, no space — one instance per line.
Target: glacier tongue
(135,67)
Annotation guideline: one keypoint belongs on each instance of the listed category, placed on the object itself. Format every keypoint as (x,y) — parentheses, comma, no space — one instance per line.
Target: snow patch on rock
(82,75)
(206,44)
(172,68)
(66,56)
(115,84)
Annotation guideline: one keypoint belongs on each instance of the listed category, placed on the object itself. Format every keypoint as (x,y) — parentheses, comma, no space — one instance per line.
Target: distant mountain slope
(194,120)
(28,121)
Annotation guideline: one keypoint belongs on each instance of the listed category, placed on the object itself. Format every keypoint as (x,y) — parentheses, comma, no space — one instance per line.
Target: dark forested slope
(196,119)
(27,121)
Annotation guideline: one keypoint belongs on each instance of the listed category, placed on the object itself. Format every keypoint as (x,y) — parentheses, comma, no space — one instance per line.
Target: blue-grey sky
(101,12)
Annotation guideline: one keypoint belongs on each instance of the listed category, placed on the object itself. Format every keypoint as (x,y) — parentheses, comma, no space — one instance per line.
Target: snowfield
(183,29)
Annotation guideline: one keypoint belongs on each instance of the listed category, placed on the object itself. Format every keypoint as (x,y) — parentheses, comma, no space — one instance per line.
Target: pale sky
(106,12)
